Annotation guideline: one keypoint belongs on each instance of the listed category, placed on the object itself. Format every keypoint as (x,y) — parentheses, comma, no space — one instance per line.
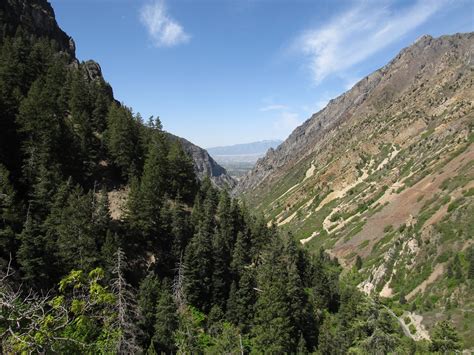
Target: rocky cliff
(407,70)
(205,166)
(35,17)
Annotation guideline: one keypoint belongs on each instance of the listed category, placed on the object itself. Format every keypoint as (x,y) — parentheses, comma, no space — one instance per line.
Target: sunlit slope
(386,172)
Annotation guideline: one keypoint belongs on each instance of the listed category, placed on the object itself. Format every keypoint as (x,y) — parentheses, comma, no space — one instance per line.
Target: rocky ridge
(375,89)
(205,165)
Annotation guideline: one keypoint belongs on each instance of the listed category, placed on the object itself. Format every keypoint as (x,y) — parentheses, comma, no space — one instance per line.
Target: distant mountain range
(254,148)
(238,159)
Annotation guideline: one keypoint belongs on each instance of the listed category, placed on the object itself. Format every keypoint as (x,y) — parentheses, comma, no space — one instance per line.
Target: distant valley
(238,159)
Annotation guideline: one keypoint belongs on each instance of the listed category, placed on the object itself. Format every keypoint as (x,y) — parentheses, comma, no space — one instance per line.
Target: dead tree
(126,308)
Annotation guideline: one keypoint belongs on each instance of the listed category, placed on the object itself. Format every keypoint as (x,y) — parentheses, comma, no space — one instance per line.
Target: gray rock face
(36,17)
(378,88)
(204,165)
(93,70)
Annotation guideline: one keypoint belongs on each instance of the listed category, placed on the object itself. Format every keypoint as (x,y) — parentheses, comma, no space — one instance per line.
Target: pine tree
(148,294)
(78,242)
(445,339)
(166,322)
(9,220)
(198,261)
(273,328)
(147,198)
(182,179)
(242,299)
(301,314)
(241,254)
(33,256)
(221,274)
(122,140)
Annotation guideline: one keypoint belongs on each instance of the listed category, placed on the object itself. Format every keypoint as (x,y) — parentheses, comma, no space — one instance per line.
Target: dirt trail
(416,320)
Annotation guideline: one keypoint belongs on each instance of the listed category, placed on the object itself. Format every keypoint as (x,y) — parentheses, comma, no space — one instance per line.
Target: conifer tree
(122,140)
(198,261)
(445,339)
(182,179)
(242,299)
(166,322)
(9,220)
(33,256)
(273,328)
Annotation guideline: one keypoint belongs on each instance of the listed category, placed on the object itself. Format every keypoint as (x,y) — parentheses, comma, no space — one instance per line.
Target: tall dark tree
(122,139)
(273,328)
(198,262)
(182,179)
(166,322)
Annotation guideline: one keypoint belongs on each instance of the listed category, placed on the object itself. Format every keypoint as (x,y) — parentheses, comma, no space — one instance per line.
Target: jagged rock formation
(205,166)
(36,17)
(379,88)
(385,172)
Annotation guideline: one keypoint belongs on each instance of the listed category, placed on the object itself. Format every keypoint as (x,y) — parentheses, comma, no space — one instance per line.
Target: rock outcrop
(35,17)
(205,166)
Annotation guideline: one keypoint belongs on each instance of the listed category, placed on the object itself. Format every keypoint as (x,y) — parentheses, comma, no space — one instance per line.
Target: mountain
(205,165)
(37,18)
(384,173)
(254,148)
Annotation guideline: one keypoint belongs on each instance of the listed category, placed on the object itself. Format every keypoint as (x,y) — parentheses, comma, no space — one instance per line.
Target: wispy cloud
(358,33)
(164,31)
(273,108)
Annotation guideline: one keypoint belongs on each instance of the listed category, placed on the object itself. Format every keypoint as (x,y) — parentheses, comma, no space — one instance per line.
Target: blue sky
(222,72)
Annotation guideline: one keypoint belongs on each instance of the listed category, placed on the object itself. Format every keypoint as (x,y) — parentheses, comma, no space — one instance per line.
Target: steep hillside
(37,17)
(385,172)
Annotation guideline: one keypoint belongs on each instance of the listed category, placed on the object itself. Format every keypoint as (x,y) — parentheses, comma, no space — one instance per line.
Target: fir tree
(273,328)
(122,139)
(445,339)
(166,322)
(198,271)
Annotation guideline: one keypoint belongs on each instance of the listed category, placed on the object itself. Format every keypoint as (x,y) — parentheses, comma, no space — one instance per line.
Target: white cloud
(164,31)
(273,108)
(358,33)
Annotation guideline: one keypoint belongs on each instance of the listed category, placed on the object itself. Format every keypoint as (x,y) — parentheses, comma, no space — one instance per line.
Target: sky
(221,72)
